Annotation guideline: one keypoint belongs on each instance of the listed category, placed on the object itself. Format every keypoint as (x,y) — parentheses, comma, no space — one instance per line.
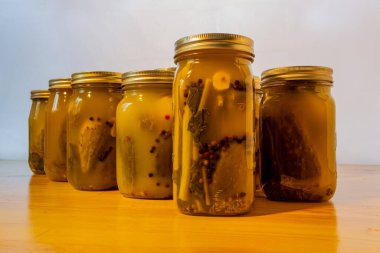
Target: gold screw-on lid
(173,69)
(44,94)
(96,77)
(220,41)
(60,83)
(155,76)
(276,76)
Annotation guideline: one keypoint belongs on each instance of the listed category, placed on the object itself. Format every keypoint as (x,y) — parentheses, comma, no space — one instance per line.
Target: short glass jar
(213,152)
(144,123)
(55,137)
(298,134)
(37,130)
(91,143)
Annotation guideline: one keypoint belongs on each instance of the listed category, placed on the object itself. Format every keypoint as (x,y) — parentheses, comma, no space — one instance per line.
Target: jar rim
(278,76)
(96,78)
(43,94)
(162,77)
(60,83)
(214,41)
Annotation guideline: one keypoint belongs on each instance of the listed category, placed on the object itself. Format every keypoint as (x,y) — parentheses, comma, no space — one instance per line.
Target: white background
(45,39)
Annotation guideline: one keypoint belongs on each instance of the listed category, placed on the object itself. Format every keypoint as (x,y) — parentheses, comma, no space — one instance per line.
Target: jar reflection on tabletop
(298,134)
(91,143)
(213,139)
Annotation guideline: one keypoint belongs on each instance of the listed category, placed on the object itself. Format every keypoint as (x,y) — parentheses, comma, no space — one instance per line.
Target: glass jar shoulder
(58,101)
(88,101)
(150,100)
(212,67)
(37,111)
(296,97)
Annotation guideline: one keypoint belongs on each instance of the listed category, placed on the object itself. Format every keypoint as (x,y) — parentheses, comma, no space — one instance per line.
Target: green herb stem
(187,143)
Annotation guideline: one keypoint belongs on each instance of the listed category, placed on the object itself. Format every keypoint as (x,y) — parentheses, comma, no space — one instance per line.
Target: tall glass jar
(37,130)
(213,152)
(144,123)
(91,143)
(298,134)
(258,96)
(55,137)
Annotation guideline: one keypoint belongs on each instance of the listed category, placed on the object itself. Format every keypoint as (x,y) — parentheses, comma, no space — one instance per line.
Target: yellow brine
(144,134)
(91,132)
(213,152)
(55,137)
(37,130)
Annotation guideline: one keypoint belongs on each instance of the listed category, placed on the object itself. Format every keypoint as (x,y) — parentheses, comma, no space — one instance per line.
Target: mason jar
(55,137)
(37,130)
(144,122)
(91,132)
(298,134)
(213,152)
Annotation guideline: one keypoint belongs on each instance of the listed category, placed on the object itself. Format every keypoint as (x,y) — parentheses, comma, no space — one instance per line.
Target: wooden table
(37,215)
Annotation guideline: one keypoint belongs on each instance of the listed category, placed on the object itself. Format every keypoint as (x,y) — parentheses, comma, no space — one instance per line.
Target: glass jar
(55,138)
(298,134)
(258,96)
(144,124)
(91,151)
(213,152)
(37,130)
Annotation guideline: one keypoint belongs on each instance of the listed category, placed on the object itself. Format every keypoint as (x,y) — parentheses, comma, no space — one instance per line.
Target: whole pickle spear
(95,143)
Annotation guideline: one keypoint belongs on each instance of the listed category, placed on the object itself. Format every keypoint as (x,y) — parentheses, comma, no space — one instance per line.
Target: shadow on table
(262,206)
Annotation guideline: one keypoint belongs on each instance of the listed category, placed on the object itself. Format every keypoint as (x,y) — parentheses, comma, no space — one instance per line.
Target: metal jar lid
(96,78)
(209,41)
(162,77)
(60,83)
(277,76)
(44,94)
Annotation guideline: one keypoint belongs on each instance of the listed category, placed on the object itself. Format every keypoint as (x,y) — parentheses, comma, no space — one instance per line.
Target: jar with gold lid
(91,143)
(298,134)
(55,137)
(213,141)
(144,129)
(37,130)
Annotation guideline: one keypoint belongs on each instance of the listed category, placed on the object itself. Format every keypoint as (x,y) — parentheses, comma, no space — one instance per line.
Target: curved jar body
(213,152)
(91,143)
(144,143)
(258,97)
(37,130)
(55,138)
(298,134)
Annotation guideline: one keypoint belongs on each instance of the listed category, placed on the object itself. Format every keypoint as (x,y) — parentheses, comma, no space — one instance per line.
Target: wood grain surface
(37,215)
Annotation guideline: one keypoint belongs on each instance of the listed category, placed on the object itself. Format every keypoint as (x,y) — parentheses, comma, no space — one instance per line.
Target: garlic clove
(221,80)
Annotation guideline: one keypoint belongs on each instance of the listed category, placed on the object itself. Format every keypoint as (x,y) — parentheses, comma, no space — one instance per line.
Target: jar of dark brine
(298,134)
(91,143)
(213,152)
(55,138)
(144,122)
(37,130)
